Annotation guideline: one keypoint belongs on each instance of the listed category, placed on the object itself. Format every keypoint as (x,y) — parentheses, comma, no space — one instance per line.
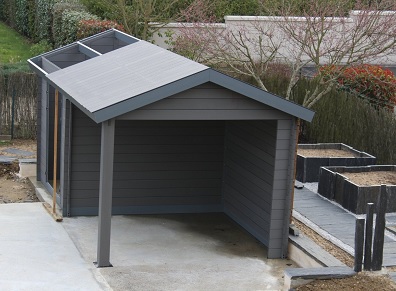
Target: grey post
(105,193)
(369,236)
(379,232)
(359,242)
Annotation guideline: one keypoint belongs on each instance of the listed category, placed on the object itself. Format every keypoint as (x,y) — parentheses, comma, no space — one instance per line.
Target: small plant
(370,82)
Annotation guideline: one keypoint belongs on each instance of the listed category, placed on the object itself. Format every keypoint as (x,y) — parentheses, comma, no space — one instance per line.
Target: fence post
(12,112)
(369,236)
(378,245)
(359,242)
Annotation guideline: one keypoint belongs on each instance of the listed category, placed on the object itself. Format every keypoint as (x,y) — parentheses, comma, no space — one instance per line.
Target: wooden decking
(336,223)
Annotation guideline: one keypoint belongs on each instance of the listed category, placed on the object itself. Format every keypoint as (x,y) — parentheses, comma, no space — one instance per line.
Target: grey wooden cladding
(247,196)
(105,44)
(163,163)
(69,57)
(207,101)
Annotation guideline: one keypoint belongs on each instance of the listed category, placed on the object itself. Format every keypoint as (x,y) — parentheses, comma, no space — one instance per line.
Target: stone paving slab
(18,152)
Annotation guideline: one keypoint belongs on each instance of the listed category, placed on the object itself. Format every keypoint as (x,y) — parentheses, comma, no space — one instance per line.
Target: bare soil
(372,178)
(364,281)
(333,153)
(14,189)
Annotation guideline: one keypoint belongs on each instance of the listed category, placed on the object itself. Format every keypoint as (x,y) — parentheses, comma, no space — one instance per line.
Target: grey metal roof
(134,73)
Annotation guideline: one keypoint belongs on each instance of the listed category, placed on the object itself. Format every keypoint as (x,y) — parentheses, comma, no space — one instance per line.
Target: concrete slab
(180,252)
(36,253)
(27,168)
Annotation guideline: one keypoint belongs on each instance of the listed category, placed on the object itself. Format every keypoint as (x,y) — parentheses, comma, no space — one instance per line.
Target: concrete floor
(36,253)
(179,252)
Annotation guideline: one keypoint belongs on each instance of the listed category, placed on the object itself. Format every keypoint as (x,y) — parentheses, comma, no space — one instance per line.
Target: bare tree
(136,15)
(320,35)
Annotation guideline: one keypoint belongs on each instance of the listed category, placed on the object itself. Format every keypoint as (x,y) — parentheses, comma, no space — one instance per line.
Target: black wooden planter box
(307,169)
(335,186)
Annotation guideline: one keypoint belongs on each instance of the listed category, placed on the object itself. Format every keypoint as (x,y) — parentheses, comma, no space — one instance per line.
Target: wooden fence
(18,104)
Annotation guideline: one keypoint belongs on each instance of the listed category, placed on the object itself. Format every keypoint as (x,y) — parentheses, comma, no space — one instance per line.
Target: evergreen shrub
(93,26)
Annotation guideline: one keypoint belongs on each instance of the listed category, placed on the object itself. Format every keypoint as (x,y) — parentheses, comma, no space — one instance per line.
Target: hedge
(66,17)
(345,118)
(18,83)
(58,22)
(93,26)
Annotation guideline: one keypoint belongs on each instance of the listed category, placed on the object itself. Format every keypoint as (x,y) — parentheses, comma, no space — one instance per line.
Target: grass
(14,48)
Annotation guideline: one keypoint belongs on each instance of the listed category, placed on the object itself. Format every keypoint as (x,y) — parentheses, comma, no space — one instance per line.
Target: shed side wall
(248,175)
(283,184)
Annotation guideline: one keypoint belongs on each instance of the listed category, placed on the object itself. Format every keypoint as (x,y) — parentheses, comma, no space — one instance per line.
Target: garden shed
(142,130)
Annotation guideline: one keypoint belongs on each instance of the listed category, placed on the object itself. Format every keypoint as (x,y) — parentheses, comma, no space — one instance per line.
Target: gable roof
(112,73)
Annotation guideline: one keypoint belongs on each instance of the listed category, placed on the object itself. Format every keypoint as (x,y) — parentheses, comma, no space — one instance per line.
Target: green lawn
(13,47)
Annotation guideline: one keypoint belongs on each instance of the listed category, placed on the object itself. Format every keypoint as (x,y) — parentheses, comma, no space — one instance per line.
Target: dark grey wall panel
(248,175)
(68,57)
(105,44)
(42,133)
(85,142)
(283,183)
(209,102)
(168,164)
(65,156)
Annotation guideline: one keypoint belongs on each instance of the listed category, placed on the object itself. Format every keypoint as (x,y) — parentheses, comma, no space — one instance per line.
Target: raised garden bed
(354,187)
(310,157)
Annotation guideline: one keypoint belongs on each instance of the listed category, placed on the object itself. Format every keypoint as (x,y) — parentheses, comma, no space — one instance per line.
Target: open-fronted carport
(144,130)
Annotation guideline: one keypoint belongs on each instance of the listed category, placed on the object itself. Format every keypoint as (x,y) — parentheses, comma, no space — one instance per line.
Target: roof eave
(261,96)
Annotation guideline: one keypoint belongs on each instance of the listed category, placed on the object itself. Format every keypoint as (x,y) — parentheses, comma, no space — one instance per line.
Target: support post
(369,236)
(359,242)
(105,193)
(379,232)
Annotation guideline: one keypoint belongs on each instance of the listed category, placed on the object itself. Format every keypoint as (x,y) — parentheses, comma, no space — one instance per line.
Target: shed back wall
(167,166)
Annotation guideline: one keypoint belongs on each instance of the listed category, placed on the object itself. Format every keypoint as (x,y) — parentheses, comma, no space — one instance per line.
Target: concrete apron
(179,252)
(36,253)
